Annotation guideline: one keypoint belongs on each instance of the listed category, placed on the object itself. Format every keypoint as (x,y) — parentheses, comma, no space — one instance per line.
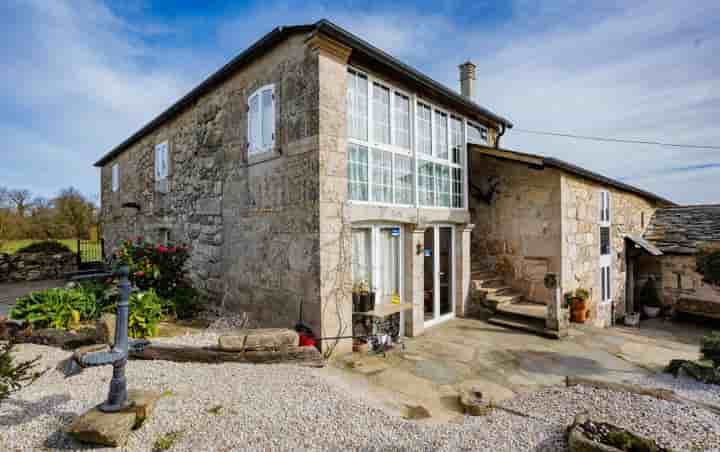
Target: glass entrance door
(439,274)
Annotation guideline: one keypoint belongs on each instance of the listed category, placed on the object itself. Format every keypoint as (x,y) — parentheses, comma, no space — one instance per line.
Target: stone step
(529,325)
(480,284)
(497,290)
(486,279)
(524,309)
(494,300)
(483,274)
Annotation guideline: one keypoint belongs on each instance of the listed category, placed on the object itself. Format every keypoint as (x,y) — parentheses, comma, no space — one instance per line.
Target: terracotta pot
(580,304)
(578,315)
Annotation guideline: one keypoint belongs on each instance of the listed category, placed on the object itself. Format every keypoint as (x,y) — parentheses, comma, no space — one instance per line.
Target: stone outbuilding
(536,215)
(314,164)
(681,233)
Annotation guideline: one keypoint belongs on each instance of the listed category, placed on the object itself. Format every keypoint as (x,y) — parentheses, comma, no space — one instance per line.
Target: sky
(80,76)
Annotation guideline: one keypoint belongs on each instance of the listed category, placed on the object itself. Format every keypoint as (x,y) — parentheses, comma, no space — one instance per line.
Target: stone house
(314,161)
(680,233)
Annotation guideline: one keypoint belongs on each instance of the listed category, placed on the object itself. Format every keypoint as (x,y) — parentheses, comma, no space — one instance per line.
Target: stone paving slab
(505,362)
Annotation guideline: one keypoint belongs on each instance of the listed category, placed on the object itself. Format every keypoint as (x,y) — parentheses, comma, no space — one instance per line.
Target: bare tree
(20,200)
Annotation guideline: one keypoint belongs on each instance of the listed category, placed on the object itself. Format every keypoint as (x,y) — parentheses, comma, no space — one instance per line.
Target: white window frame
(162,153)
(253,148)
(115,177)
(484,131)
(606,279)
(412,151)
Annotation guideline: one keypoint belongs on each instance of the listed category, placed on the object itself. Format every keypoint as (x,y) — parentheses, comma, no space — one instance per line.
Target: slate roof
(679,229)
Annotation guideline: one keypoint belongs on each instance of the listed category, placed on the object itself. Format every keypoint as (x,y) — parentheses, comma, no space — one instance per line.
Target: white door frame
(437,318)
(606,259)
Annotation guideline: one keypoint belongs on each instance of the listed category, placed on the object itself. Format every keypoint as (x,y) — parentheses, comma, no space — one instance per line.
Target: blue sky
(82,75)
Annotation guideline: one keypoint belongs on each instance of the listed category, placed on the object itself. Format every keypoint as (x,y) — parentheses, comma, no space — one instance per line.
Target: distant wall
(35,266)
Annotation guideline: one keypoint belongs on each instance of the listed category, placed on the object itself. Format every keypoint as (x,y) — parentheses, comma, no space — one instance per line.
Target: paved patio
(505,362)
(12,291)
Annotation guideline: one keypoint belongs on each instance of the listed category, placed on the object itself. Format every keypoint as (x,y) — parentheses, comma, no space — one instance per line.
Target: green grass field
(11,246)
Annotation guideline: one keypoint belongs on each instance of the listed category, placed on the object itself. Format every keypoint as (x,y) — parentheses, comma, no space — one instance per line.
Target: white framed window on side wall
(115,177)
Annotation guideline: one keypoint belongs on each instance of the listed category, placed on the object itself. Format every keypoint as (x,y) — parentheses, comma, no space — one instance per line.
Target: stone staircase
(507,307)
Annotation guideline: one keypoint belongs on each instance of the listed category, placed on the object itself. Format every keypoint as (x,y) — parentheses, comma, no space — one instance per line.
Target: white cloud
(624,69)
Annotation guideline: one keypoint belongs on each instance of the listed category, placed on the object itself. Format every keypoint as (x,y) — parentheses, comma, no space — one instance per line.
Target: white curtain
(389,263)
(361,255)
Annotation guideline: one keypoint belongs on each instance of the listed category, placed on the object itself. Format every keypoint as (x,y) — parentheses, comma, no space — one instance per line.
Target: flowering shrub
(157,267)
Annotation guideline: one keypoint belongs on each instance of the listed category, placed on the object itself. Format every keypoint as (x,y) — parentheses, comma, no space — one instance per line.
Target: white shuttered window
(162,166)
(261,120)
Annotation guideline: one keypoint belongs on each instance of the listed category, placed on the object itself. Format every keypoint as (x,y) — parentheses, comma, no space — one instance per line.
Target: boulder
(586,435)
(258,339)
(113,429)
(415,412)
(105,329)
(471,400)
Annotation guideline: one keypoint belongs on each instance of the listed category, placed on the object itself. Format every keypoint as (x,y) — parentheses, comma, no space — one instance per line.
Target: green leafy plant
(184,303)
(47,246)
(582,294)
(145,314)
(14,376)
(56,308)
(649,295)
(710,348)
(166,441)
(708,265)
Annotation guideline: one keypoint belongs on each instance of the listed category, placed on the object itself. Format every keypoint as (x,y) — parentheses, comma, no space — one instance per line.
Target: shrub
(47,246)
(185,303)
(15,376)
(710,348)
(649,295)
(145,313)
(708,265)
(56,308)
(157,267)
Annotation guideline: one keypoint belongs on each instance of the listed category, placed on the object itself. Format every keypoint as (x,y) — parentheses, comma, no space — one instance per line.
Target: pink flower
(162,249)
(140,274)
(173,249)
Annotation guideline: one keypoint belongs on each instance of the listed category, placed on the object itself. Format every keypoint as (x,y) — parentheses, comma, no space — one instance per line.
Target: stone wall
(518,233)
(680,280)
(581,244)
(35,266)
(252,222)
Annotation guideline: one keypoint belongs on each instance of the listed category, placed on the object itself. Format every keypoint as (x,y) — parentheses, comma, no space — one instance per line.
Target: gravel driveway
(282,407)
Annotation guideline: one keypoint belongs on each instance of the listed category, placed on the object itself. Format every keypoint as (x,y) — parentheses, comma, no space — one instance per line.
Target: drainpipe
(501,132)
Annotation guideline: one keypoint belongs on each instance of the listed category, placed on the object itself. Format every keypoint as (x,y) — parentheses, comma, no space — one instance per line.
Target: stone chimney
(467,79)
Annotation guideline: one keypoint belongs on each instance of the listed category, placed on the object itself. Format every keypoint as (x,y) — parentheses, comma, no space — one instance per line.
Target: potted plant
(580,306)
(650,299)
(367,297)
(356,297)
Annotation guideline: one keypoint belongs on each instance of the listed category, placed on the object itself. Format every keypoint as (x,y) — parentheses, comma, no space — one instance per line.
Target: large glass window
(358,172)
(441,135)
(357,105)
(404,181)
(402,151)
(381,165)
(442,178)
(457,140)
(402,121)
(426,183)
(261,120)
(424,123)
(381,114)
(458,188)
(476,134)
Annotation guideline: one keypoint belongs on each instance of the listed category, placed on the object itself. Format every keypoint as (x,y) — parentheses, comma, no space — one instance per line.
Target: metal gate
(90,254)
